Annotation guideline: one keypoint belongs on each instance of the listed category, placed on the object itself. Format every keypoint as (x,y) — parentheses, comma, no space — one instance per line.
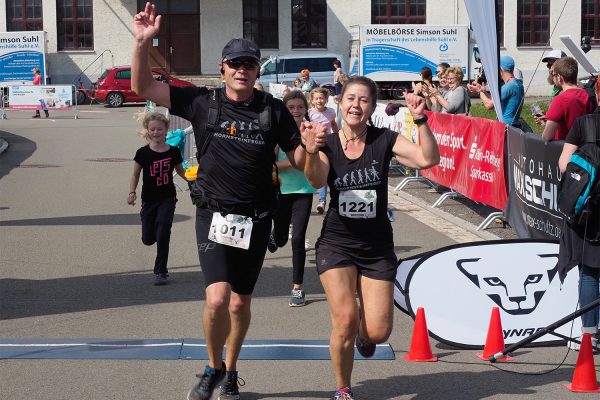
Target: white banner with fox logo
(459,285)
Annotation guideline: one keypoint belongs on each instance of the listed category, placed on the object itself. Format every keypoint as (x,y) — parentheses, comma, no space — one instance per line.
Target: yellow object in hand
(191,173)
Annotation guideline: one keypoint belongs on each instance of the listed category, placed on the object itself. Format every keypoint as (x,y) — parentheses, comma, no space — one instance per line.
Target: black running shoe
(230,390)
(364,347)
(210,380)
(272,246)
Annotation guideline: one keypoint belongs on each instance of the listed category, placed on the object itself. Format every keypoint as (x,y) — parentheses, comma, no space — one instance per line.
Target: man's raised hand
(146,24)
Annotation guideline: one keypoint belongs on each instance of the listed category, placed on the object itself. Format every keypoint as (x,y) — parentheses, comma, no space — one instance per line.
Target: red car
(114,86)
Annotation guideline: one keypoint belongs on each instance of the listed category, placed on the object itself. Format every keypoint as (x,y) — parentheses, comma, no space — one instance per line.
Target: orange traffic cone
(584,377)
(495,338)
(420,350)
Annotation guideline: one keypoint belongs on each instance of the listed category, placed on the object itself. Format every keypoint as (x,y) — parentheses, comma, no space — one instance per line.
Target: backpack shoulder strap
(590,134)
(264,118)
(212,119)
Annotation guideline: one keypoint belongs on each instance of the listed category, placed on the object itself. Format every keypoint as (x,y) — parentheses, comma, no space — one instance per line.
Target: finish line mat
(169,349)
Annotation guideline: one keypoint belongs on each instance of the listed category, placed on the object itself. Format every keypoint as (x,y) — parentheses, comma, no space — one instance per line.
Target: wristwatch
(420,121)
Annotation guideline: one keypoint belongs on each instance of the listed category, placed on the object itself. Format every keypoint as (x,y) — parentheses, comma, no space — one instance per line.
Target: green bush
(478,110)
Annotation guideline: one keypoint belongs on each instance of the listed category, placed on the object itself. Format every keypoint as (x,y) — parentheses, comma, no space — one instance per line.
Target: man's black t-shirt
(157,182)
(368,172)
(237,166)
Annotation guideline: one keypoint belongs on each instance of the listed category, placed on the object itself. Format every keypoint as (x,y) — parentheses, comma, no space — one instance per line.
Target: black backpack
(212,123)
(579,188)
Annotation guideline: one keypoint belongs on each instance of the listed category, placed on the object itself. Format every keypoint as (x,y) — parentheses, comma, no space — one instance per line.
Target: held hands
(314,136)
(415,104)
(145,23)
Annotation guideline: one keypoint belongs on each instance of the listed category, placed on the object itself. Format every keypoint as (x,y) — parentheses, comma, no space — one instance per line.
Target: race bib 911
(231,230)
(358,203)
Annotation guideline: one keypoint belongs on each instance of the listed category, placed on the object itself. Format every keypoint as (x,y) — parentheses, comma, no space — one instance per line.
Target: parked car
(113,87)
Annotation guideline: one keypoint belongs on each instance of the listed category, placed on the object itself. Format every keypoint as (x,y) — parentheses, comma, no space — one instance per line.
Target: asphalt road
(72,266)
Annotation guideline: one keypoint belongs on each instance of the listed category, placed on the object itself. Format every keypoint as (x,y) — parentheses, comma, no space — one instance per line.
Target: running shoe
(576,346)
(297,299)
(210,380)
(160,279)
(364,347)
(230,390)
(343,394)
(272,246)
(390,215)
(306,244)
(321,207)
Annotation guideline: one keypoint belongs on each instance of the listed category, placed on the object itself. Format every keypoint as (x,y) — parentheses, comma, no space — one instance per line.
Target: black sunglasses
(237,64)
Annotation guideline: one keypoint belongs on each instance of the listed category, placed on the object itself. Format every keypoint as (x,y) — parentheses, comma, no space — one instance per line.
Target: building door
(176,48)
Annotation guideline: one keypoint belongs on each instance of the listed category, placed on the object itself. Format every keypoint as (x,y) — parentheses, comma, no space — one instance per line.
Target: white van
(284,69)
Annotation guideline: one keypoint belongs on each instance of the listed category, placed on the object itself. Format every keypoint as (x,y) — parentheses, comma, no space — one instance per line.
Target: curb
(3,145)
(424,206)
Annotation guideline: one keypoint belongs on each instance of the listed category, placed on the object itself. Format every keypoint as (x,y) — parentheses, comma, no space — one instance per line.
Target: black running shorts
(221,263)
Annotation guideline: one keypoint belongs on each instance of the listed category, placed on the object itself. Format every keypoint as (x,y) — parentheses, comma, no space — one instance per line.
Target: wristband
(420,121)
(312,154)
(130,193)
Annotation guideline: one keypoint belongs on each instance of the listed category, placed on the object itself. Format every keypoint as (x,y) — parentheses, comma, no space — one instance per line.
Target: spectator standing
(337,65)
(442,88)
(308,83)
(355,252)
(294,205)
(456,99)
(158,160)
(574,249)
(550,59)
(570,104)
(512,93)
(426,79)
(320,113)
(235,195)
(37,80)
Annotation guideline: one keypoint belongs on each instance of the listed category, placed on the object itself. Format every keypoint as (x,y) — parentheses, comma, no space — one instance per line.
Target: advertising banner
(398,52)
(533,177)
(20,52)
(30,97)
(459,285)
(471,157)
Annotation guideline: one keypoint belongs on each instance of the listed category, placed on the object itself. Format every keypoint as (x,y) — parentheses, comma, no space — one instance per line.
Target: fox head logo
(516,290)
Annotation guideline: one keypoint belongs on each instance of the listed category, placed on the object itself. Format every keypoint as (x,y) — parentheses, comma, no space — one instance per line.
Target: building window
(590,19)
(261,23)
(397,11)
(533,25)
(74,21)
(24,15)
(500,16)
(309,24)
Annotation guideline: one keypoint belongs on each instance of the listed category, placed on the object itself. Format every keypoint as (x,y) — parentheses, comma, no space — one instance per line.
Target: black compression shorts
(221,263)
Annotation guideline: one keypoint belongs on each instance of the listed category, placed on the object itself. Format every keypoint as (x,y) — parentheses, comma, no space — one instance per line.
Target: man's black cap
(239,47)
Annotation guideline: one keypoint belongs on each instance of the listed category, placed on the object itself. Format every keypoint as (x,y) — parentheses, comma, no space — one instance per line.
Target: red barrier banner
(471,157)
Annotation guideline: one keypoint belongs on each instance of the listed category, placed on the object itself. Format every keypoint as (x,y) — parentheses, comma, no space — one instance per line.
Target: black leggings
(157,219)
(294,208)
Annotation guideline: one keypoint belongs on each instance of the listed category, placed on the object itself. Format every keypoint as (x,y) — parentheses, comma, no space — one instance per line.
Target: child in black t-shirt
(158,160)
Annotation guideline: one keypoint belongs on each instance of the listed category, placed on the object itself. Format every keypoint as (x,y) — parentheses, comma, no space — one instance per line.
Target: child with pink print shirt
(157,160)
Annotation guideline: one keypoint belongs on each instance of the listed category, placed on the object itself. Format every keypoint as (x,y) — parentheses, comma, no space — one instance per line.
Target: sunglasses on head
(246,63)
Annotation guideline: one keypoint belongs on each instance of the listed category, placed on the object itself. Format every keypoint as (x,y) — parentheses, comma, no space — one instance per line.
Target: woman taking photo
(355,252)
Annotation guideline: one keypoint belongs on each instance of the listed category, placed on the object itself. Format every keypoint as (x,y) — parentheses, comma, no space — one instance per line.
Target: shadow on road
(19,150)
(22,298)
(105,219)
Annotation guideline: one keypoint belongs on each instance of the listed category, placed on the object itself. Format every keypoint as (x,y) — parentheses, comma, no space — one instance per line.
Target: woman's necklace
(354,139)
